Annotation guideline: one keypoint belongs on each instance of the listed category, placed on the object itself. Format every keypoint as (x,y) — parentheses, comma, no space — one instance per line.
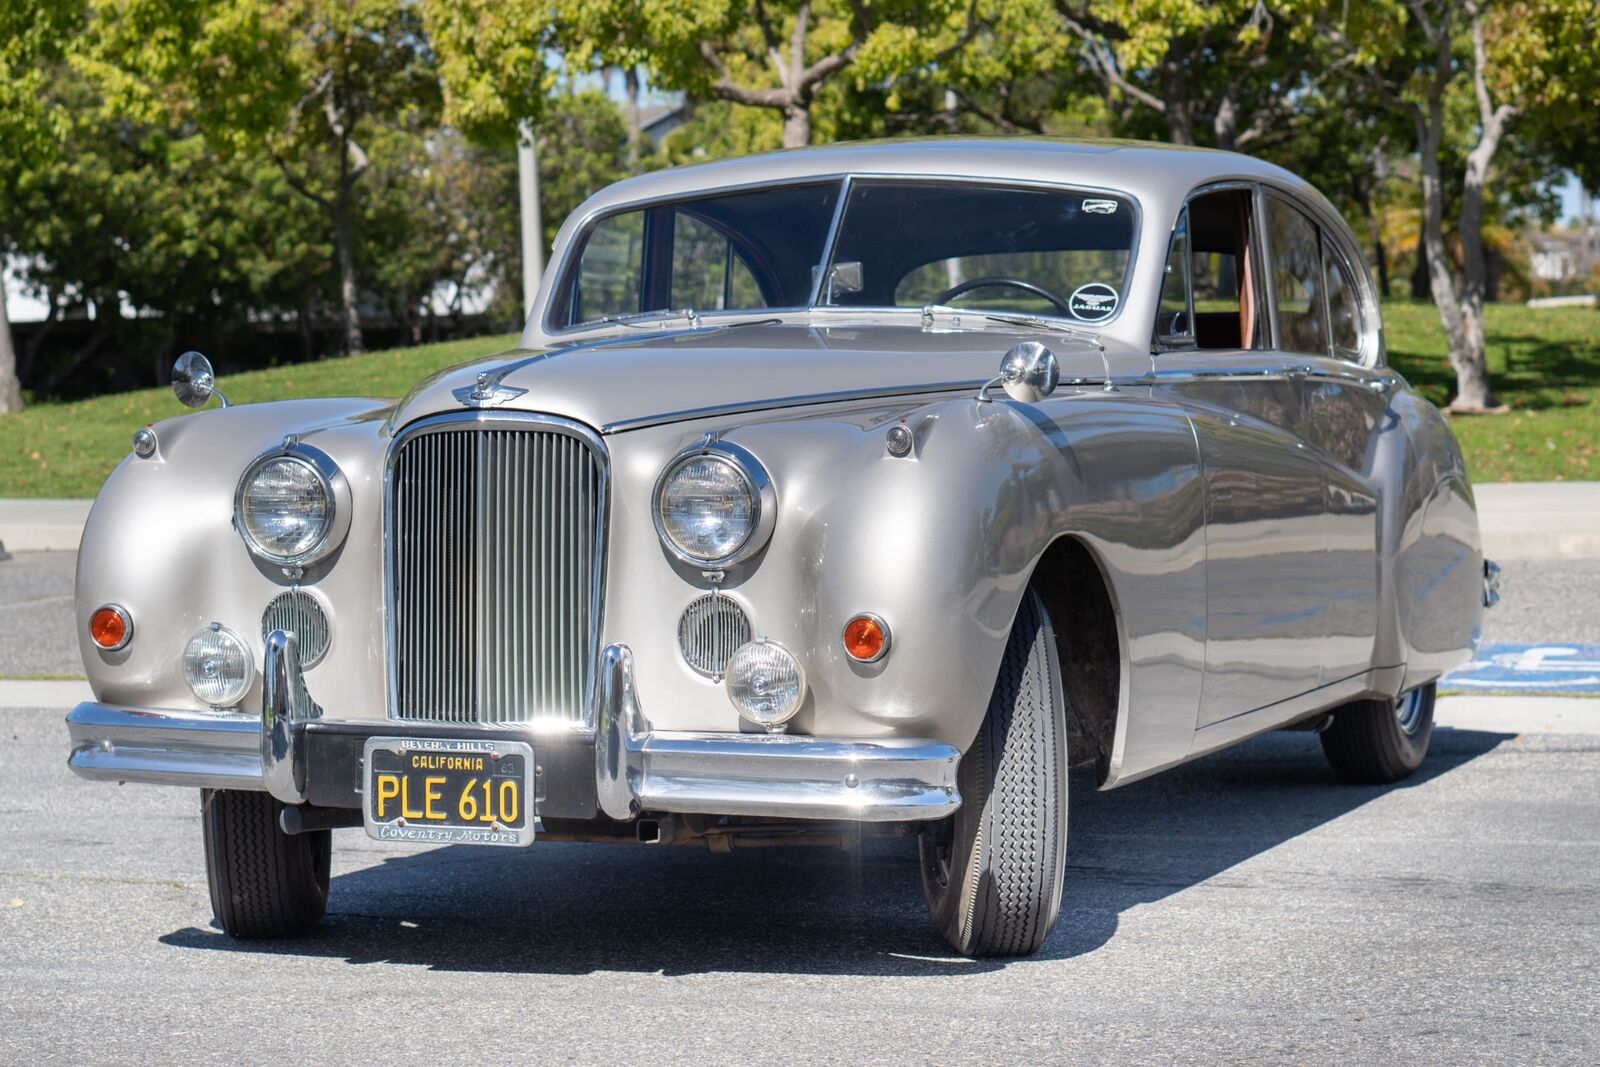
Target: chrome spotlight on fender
(194,382)
(1029,372)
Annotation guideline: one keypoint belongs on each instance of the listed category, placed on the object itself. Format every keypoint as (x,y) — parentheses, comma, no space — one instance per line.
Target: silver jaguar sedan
(836,491)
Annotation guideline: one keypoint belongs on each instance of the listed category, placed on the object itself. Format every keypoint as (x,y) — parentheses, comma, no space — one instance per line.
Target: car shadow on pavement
(559,908)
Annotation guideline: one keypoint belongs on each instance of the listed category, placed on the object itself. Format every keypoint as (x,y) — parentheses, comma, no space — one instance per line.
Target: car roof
(1137,167)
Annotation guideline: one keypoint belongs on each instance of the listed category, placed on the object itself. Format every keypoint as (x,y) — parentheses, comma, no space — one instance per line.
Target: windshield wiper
(1032,322)
(642,318)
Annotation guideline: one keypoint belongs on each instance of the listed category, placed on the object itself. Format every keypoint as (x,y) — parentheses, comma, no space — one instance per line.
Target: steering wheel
(1015,283)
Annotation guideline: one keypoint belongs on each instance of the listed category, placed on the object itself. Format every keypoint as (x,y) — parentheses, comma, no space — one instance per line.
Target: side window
(1344,306)
(607,279)
(1297,280)
(1222,309)
(1174,314)
(707,273)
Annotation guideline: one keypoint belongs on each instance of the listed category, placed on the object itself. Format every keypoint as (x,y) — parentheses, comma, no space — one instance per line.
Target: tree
(307,82)
(775,55)
(32,33)
(1511,58)
(1228,73)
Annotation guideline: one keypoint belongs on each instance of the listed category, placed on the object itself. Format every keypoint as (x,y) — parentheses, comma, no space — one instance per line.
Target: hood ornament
(488,392)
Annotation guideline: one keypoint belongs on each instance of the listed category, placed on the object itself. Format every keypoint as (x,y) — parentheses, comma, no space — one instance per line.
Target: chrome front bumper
(636,769)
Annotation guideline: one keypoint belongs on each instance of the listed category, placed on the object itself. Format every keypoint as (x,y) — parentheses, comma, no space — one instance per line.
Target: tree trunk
(1465,343)
(349,301)
(630,114)
(796,126)
(10,387)
(1175,92)
(1472,372)
(1380,255)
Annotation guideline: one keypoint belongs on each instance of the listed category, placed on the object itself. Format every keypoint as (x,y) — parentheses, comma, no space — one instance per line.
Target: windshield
(1012,249)
(746,250)
(987,247)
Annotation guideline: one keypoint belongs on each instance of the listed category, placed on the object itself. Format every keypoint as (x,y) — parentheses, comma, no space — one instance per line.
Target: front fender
(160,542)
(940,544)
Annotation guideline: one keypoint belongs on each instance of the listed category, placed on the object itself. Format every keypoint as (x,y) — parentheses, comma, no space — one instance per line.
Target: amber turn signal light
(110,627)
(866,638)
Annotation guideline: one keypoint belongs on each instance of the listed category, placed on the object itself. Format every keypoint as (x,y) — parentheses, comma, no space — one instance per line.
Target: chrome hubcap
(1408,709)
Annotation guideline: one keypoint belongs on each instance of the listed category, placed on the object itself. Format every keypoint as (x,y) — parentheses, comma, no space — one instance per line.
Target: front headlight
(715,505)
(288,507)
(217,666)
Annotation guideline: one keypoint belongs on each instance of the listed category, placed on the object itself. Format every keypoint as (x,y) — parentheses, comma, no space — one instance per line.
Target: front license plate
(430,790)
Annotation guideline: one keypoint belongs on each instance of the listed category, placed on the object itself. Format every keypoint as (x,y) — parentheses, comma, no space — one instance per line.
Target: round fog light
(765,683)
(217,666)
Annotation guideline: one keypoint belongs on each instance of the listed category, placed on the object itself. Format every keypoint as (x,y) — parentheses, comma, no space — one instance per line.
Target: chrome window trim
(335,487)
(762,491)
(491,419)
(562,272)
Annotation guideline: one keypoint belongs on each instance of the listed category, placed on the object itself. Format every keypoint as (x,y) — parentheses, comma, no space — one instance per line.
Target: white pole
(532,228)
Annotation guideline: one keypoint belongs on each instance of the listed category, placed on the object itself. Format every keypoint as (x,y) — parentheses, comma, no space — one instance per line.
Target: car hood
(639,380)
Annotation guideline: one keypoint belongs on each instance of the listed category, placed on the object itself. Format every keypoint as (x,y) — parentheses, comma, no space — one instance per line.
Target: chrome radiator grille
(495,542)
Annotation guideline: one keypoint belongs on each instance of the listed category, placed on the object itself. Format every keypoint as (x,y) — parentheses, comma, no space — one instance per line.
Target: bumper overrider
(623,770)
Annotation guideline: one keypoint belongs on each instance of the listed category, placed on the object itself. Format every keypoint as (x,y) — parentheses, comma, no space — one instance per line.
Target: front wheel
(992,872)
(264,882)
(1381,741)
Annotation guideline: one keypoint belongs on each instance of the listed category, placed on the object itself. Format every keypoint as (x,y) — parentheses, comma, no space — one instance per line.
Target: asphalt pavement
(1244,908)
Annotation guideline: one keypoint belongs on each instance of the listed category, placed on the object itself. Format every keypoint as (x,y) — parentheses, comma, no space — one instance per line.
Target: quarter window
(609,272)
(1297,280)
(1344,307)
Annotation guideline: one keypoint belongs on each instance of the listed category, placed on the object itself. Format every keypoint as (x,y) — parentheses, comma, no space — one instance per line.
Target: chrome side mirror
(1029,372)
(194,382)
(845,277)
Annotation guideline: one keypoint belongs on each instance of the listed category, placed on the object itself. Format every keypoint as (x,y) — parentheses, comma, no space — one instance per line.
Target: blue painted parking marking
(1552,668)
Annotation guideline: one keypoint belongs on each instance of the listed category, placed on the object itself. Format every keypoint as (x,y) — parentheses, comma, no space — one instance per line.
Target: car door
(1344,400)
(1266,549)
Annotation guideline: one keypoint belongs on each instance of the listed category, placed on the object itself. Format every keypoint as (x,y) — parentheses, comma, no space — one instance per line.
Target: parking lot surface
(1243,908)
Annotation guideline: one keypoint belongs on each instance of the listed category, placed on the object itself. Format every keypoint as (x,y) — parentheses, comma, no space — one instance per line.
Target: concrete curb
(44,694)
(1539,520)
(1519,520)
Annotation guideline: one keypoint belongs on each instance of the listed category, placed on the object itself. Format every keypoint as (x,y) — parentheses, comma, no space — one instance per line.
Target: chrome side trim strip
(798,401)
(892,779)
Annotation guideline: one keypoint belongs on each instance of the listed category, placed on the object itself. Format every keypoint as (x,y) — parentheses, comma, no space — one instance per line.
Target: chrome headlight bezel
(335,488)
(763,495)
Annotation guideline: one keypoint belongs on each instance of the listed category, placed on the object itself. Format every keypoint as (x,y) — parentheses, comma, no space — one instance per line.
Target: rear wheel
(1381,741)
(992,872)
(264,882)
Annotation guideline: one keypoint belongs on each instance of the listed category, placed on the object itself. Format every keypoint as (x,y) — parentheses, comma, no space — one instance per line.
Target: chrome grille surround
(494,547)
(710,629)
(299,613)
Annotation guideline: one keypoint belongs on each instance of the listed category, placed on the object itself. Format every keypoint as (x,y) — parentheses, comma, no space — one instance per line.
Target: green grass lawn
(1545,364)
(66,450)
